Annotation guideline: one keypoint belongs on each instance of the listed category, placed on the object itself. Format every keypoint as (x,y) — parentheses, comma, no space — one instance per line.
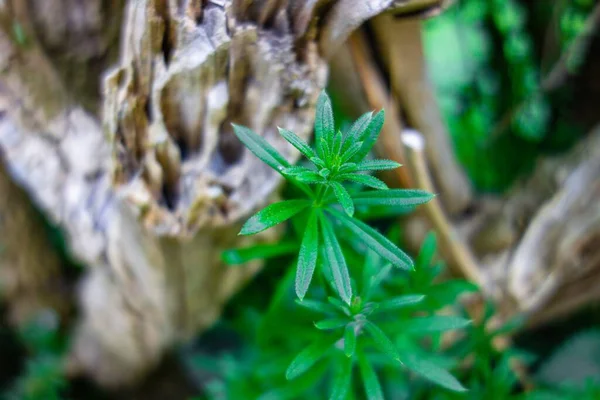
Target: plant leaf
(374,240)
(337,262)
(432,372)
(272,215)
(366,180)
(370,135)
(324,125)
(427,251)
(307,358)
(332,323)
(350,152)
(349,340)
(393,197)
(263,251)
(434,323)
(382,341)
(317,306)
(260,148)
(359,126)
(309,177)
(372,386)
(343,197)
(399,302)
(297,142)
(342,379)
(340,305)
(307,258)
(336,144)
(296,170)
(377,165)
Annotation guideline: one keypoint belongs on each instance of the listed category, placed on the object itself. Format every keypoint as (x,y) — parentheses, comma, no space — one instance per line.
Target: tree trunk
(150,190)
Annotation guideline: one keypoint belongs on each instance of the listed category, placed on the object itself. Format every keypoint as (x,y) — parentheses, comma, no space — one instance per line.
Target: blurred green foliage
(483,58)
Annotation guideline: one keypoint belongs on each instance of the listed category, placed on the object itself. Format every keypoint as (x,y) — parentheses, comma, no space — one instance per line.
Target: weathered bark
(151,196)
(548,231)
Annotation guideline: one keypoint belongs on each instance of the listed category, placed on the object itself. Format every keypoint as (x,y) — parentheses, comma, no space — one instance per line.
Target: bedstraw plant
(344,264)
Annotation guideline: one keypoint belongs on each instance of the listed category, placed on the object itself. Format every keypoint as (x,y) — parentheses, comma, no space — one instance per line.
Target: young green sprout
(337,159)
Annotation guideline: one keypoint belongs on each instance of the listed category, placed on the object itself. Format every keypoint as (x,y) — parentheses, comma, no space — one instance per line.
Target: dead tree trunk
(151,189)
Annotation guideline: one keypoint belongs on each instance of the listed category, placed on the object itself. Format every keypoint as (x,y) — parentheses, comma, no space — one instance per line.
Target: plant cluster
(370,307)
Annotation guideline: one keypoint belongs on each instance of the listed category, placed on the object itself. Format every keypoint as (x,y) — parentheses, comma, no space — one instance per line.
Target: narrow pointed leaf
(358,128)
(260,148)
(382,341)
(324,125)
(262,251)
(342,379)
(307,358)
(408,198)
(340,305)
(318,162)
(272,215)
(374,240)
(399,302)
(432,372)
(377,165)
(370,135)
(297,142)
(318,306)
(366,180)
(351,151)
(427,251)
(434,323)
(309,177)
(332,323)
(343,197)
(336,145)
(337,262)
(347,167)
(349,340)
(325,153)
(372,386)
(307,258)
(296,170)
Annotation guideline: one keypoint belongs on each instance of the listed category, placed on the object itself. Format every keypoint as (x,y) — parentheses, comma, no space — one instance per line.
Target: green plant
(355,261)
(43,377)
